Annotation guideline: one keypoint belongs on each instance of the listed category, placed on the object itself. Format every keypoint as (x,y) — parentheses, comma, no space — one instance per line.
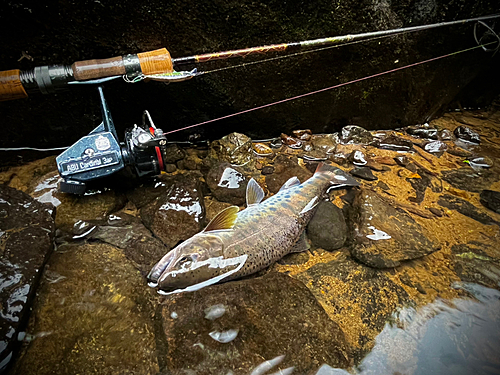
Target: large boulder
(92,316)
(26,241)
(238,325)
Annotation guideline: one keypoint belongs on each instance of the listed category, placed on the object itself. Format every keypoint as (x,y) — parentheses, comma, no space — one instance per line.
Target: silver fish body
(236,244)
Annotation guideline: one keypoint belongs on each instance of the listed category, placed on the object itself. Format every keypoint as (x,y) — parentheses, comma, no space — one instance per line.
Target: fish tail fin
(336,175)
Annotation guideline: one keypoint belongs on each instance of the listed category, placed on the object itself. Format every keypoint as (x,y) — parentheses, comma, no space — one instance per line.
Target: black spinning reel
(100,154)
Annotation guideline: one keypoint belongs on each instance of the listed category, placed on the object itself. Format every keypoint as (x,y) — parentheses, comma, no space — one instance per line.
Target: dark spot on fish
(272,208)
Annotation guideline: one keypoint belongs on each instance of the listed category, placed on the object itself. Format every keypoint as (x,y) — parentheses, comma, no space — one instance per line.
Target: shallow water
(316,312)
(456,337)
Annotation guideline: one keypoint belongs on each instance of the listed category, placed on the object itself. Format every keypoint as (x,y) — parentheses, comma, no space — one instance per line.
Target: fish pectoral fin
(301,245)
(294,181)
(224,219)
(255,193)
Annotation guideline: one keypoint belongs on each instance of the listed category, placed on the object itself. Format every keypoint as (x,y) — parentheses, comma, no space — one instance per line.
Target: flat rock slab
(468,179)
(92,316)
(385,236)
(360,299)
(272,315)
(466,209)
(26,234)
(178,213)
(129,234)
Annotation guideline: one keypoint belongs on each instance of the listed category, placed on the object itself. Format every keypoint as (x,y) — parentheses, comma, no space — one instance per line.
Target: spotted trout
(238,243)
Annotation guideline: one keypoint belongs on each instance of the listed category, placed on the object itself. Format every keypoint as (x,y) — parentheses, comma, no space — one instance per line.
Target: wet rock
(26,234)
(385,236)
(382,185)
(285,168)
(291,141)
(458,151)
(436,211)
(490,199)
(363,172)
(129,234)
(395,143)
(170,168)
(373,165)
(420,185)
(94,205)
(436,147)
(227,183)
(303,135)
(267,170)
(472,264)
(234,148)
(315,155)
(422,132)
(307,147)
(385,160)
(213,207)
(446,135)
(274,315)
(353,134)
(262,149)
(173,153)
(468,179)
(177,214)
(26,177)
(359,298)
(465,208)
(327,229)
(357,158)
(190,162)
(467,134)
(97,318)
(276,143)
(339,158)
(402,160)
(325,143)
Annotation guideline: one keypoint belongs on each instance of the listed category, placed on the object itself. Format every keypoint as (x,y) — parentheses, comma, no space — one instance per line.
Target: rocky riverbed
(75,297)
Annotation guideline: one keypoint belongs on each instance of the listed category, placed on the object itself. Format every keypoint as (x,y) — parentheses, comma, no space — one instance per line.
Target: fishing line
(330,88)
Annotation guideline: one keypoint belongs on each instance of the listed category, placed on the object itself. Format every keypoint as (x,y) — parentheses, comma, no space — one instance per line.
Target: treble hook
(489,32)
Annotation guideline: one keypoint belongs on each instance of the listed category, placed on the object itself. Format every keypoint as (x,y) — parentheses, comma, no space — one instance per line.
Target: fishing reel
(100,154)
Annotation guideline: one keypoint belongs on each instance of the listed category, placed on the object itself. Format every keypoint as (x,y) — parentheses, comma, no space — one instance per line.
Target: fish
(239,243)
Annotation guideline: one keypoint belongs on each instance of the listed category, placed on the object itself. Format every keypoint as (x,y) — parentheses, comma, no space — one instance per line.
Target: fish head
(196,260)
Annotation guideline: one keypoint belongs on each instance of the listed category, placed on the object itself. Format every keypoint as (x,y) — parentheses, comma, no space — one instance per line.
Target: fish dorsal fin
(224,219)
(294,181)
(255,194)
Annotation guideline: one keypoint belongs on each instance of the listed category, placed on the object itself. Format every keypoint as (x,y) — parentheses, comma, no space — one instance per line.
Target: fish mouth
(160,267)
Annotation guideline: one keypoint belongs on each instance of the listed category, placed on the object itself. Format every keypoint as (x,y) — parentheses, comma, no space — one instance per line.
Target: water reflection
(457,337)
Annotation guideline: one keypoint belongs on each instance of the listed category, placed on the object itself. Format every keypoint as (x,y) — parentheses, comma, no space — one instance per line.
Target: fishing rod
(159,65)
(100,154)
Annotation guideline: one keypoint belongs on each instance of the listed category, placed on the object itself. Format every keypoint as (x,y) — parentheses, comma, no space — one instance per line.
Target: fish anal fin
(255,193)
(224,219)
(301,245)
(294,181)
